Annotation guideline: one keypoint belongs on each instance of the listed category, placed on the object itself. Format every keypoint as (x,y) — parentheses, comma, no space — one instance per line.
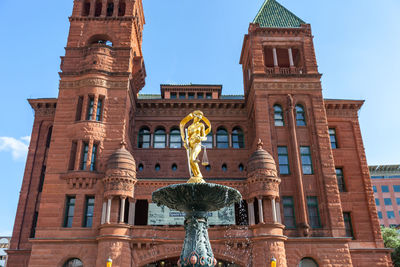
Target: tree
(391,239)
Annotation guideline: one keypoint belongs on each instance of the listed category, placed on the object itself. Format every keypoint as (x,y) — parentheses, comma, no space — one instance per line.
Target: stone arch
(100,39)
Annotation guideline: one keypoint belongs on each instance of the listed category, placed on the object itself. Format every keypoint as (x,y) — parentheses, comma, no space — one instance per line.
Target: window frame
(388,202)
(349,226)
(316,206)
(293,215)
(309,155)
(384,191)
(90,108)
(85,223)
(286,154)
(175,132)
(301,119)
(85,155)
(164,135)
(67,214)
(221,144)
(340,180)
(334,144)
(278,122)
(93,157)
(390,217)
(238,133)
(99,109)
(144,131)
(396,188)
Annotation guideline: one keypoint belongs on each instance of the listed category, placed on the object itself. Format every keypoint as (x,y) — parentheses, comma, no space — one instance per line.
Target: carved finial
(260,144)
(123,144)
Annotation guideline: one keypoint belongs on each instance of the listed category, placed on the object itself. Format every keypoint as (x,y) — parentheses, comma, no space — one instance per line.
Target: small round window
(157,167)
(174,167)
(140,167)
(208,168)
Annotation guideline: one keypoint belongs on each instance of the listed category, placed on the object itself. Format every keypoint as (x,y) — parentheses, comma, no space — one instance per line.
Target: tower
(78,137)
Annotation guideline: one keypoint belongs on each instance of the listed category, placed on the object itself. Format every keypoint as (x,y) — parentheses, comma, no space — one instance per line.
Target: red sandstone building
(85,197)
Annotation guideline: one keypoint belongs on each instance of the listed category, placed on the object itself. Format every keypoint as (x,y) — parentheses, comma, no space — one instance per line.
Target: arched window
(222,138)
(144,138)
(110,8)
(308,262)
(278,115)
(121,9)
(300,116)
(237,138)
(160,139)
(49,133)
(98,7)
(86,8)
(175,140)
(100,39)
(73,263)
(209,142)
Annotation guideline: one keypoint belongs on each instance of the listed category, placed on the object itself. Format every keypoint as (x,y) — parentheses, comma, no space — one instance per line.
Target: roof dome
(121,159)
(261,160)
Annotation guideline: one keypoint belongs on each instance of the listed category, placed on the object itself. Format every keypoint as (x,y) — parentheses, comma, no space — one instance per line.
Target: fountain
(196,198)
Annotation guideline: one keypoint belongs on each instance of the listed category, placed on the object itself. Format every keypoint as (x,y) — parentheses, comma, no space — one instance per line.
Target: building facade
(100,149)
(386,186)
(4,245)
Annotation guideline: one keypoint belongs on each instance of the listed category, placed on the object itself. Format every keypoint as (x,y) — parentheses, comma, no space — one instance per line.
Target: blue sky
(357,46)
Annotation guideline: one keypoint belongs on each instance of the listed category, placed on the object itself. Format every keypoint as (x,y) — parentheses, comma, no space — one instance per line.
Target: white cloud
(17,148)
(26,139)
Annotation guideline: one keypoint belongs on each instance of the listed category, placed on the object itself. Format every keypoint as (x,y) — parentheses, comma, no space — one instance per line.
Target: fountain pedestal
(196,200)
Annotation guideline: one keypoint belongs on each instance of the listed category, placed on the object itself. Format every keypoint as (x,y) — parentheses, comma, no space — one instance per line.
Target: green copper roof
(274,15)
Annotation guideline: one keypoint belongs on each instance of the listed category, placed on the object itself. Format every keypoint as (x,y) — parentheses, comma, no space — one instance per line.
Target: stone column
(260,210)
(276,63)
(104,8)
(78,155)
(273,204)
(278,212)
(302,206)
(250,208)
(291,57)
(95,103)
(85,102)
(89,155)
(108,215)
(116,8)
(104,212)
(230,139)
(92,8)
(167,140)
(151,140)
(132,209)
(122,211)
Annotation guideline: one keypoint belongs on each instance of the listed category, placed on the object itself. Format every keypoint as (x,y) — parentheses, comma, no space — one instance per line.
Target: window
(387,201)
(90,108)
(140,167)
(209,142)
(86,8)
(241,167)
(89,208)
(377,202)
(175,140)
(332,136)
(347,224)
(71,165)
(49,133)
(110,9)
(191,95)
(85,151)
(313,212)
(375,189)
(200,95)
(398,201)
(121,9)
(385,189)
(224,167)
(390,214)
(300,116)
(340,180)
(141,212)
(182,96)
(380,214)
(278,116)
(97,11)
(73,263)
(308,262)
(209,95)
(157,167)
(79,105)
(174,167)
(396,188)
(173,96)
(288,213)
(283,158)
(34,223)
(208,168)
(144,138)
(222,138)
(99,110)
(69,211)
(237,138)
(42,175)
(160,138)
(306,160)
(94,157)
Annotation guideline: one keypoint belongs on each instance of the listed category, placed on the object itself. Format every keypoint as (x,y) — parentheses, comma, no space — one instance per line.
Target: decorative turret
(262,176)
(120,176)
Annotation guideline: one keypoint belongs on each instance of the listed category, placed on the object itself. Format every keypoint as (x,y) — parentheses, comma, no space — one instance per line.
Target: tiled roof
(274,15)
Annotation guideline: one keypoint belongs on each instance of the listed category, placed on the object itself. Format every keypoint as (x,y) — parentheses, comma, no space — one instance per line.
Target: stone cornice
(98,82)
(106,19)
(44,106)
(191,104)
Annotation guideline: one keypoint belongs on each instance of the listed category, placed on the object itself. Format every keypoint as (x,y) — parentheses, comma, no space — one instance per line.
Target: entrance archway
(172,262)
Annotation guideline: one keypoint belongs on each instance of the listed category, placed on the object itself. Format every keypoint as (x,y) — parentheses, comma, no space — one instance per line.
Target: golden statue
(192,137)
